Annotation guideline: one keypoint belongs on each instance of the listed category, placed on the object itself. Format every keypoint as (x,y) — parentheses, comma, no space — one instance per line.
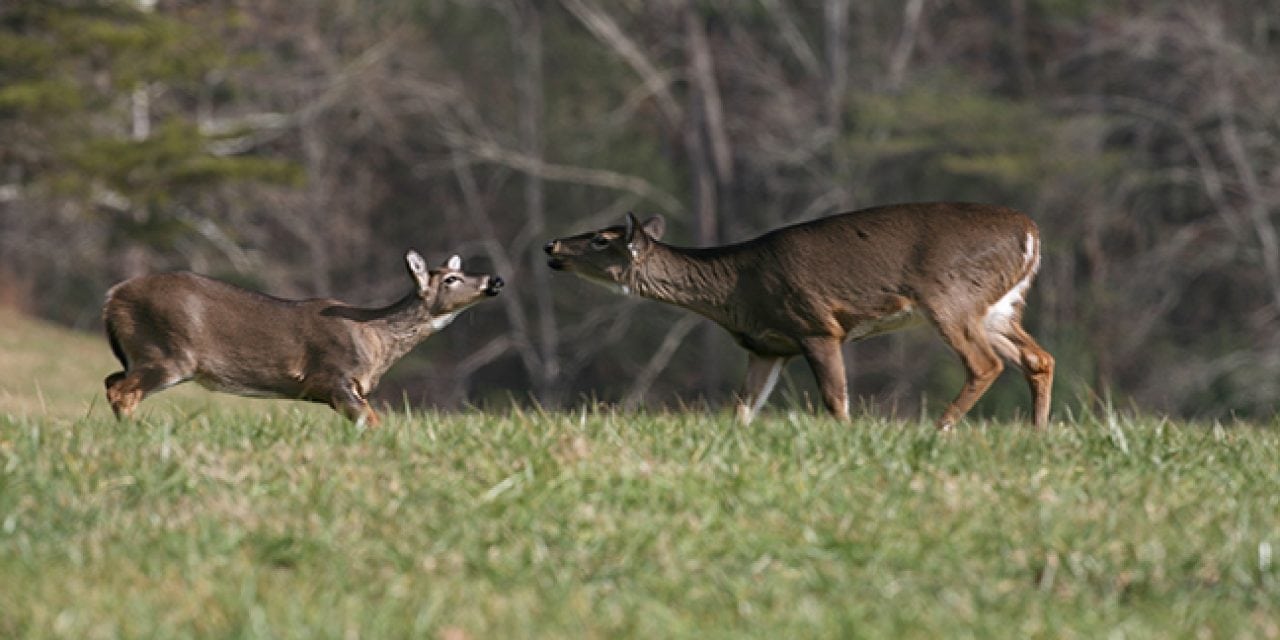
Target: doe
(173,327)
(807,288)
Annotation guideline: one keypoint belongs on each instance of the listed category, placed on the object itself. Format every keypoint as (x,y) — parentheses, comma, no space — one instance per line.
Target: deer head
(448,290)
(606,256)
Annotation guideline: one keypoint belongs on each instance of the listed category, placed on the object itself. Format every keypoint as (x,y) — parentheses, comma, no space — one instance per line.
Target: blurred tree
(1141,137)
(76,113)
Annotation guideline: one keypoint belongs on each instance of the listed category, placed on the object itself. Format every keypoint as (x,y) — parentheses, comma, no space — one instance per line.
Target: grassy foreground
(221,517)
(276,523)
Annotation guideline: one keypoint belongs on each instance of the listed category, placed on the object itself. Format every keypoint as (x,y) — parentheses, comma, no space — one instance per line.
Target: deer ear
(655,227)
(649,231)
(417,269)
(454,263)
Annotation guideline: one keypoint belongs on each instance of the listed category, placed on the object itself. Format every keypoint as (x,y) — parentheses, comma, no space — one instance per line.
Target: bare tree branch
(491,152)
(491,351)
(261,128)
(604,28)
(477,212)
(704,79)
(791,35)
(1255,206)
(661,358)
(912,11)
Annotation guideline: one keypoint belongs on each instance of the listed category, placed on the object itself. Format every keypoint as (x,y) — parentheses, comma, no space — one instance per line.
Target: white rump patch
(1006,308)
(440,322)
(1000,313)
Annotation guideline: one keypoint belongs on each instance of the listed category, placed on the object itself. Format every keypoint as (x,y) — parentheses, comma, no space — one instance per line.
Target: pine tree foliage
(302,147)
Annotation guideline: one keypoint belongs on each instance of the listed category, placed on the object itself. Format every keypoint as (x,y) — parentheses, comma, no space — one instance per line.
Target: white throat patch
(610,285)
(439,322)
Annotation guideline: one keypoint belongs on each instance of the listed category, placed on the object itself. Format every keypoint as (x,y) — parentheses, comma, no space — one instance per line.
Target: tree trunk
(709,162)
(527,22)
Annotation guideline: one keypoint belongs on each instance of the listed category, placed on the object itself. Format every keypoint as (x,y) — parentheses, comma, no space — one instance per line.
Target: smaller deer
(173,327)
(805,289)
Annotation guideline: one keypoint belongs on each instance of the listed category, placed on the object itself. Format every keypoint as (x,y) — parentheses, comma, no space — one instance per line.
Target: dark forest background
(301,146)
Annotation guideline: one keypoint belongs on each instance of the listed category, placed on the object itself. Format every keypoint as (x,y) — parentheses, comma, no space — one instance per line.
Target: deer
(169,328)
(808,288)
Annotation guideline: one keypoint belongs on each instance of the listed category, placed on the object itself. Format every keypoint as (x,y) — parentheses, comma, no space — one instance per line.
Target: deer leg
(125,389)
(111,382)
(351,403)
(981,366)
(1016,345)
(762,375)
(827,363)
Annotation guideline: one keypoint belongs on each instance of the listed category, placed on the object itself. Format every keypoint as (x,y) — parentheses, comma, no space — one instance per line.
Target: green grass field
(269,519)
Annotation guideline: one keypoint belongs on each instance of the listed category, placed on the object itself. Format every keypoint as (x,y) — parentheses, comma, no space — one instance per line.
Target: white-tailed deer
(173,327)
(807,288)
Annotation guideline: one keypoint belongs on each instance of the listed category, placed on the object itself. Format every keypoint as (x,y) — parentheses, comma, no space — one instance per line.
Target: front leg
(762,375)
(827,363)
(349,400)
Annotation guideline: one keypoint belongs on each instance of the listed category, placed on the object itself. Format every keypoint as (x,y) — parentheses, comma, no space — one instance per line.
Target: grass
(274,524)
(268,520)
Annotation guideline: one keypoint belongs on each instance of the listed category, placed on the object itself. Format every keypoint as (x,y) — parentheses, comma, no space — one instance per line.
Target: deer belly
(866,327)
(239,388)
(251,381)
(768,343)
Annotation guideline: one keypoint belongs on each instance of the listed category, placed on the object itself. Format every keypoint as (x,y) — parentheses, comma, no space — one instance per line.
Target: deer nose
(550,247)
(495,285)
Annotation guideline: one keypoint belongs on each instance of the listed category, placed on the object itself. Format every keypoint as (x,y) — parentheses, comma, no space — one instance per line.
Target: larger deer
(173,327)
(808,288)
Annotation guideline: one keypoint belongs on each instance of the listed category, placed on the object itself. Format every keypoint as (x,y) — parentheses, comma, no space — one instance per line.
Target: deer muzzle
(555,262)
(493,286)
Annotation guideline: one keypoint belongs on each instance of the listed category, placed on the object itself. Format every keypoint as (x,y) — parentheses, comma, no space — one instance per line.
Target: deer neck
(701,280)
(400,326)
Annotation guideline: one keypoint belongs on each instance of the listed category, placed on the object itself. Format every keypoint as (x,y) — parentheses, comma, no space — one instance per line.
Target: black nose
(495,285)
(549,247)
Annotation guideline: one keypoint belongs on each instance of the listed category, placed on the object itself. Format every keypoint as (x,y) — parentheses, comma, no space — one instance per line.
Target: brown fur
(807,288)
(173,327)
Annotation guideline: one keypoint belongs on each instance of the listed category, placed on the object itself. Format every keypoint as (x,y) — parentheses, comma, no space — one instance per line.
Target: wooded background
(301,146)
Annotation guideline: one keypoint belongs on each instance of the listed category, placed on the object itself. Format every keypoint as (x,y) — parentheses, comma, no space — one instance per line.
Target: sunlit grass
(277,523)
(218,516)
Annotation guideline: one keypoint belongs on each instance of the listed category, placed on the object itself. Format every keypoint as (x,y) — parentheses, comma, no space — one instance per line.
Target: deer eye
(449,281)
(599,242)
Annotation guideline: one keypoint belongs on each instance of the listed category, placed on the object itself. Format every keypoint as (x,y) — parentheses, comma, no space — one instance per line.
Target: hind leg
(1017,346)
(125,389)
(981,365)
